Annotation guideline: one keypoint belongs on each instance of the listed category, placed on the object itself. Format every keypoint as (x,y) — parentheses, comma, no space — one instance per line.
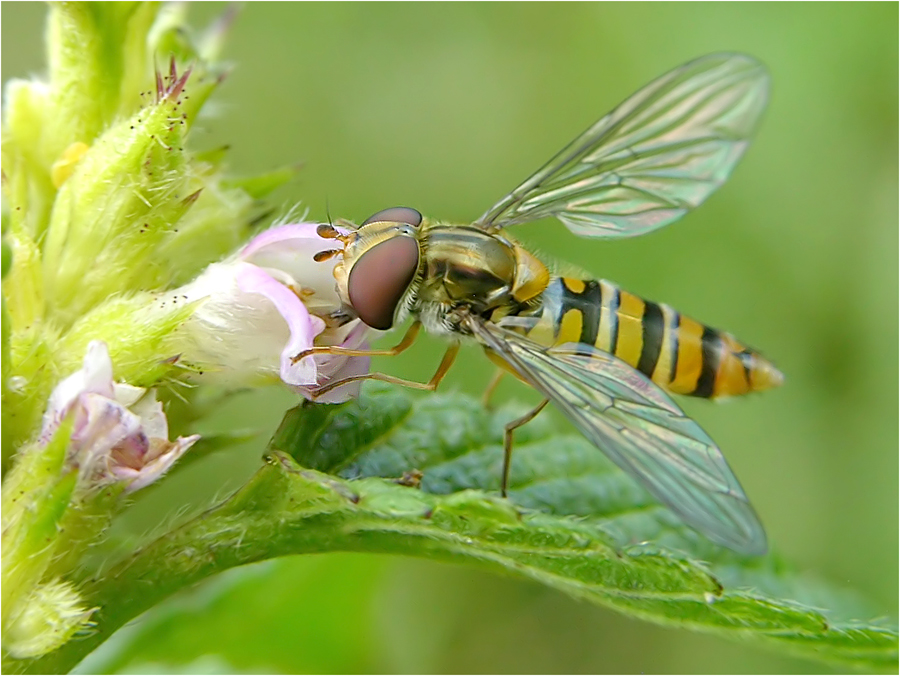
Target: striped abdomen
(676,352)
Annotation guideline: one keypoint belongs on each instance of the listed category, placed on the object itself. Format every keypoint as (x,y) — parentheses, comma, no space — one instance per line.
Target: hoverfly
(603,356)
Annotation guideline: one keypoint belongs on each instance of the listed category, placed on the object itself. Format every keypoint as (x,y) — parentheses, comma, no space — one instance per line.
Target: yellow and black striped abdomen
(676,352)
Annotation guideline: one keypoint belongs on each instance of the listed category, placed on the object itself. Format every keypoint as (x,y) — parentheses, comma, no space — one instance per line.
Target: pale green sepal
(215,226)
(32,375)
(25,109)
(5,324)
(214,157)
(211,41)
(171,35)
(23,285)
(84,524)
(173,40)
(7,258)
(28,187)
(5,333)
(139,332)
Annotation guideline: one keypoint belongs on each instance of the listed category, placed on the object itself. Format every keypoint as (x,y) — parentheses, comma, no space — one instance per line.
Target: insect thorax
(463,268)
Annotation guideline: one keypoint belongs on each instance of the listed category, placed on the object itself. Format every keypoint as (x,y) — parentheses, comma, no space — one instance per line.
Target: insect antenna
(328,231)
(328,212)
(325,255)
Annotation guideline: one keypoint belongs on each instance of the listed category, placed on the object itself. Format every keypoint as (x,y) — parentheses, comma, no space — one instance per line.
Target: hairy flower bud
(120,432)
(54,613)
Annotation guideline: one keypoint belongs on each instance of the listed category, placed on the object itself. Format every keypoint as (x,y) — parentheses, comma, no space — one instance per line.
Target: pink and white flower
(119,432)
(258,310)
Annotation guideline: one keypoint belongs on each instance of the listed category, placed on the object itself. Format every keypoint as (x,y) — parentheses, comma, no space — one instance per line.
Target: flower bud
(119,433)
(54,613)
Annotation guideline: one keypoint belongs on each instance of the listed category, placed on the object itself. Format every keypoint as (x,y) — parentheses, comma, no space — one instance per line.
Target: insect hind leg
(510,428)
(491,388)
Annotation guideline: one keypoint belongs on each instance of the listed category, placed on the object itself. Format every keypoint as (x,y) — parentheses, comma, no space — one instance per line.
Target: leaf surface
(573,522)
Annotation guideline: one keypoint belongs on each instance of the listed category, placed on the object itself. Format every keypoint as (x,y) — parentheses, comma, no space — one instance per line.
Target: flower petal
(166,453)
(303,326)
(290,249)
(102,425)
(153,419)
(239,338)
(353,366)
(127,394)
(246,326)
(94,376)
(338,367)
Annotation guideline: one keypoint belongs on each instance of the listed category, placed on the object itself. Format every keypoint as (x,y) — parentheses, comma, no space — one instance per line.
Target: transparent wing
(659,154)
(640,429)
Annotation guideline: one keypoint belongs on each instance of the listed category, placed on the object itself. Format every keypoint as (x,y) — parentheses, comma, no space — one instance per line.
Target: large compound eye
(397,215)
(379,279)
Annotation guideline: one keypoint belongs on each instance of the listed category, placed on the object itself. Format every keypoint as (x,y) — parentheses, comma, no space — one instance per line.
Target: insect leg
(508,441)
(408,340)
(431,385)
(491,388)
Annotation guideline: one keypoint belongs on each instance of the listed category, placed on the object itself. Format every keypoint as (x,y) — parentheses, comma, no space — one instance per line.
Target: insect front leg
(430,386)
(408,339)
(508,441)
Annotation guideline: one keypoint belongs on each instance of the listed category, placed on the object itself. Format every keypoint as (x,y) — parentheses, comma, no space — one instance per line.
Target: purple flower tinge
(258,310)
(119,431)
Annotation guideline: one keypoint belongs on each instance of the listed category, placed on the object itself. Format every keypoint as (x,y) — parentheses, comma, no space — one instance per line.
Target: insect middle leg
(492,387)
(431,385)
(508,441)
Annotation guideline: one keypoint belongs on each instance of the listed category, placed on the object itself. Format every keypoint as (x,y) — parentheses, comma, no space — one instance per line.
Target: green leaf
(597,550)
(457,445)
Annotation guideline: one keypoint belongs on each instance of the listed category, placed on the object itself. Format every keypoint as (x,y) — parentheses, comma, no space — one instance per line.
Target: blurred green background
(446,107)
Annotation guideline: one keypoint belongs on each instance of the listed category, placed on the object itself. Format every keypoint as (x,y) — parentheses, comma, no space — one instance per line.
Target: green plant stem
(286,510)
